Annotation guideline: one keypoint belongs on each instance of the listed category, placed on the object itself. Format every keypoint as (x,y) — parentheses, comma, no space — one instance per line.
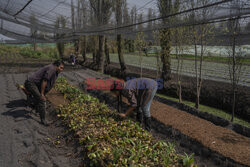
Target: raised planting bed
(232,148)
(186,137)
(245,131)
(108,140)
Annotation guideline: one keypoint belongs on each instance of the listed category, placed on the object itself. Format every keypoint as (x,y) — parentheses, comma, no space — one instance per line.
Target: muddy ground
(23,140)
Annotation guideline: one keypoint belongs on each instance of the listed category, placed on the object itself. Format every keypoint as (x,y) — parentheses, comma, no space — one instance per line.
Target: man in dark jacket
(40,82)
(140,93)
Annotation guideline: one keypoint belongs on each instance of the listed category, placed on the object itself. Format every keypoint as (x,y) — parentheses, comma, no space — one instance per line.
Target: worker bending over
(39,84)
(140,93)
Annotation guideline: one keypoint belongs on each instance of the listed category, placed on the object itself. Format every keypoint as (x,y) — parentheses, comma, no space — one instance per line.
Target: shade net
(37,20)
(210,26)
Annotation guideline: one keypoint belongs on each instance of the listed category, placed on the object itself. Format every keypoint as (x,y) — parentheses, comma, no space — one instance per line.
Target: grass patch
(210,110)
(44,52)
(212,58)
(151,59)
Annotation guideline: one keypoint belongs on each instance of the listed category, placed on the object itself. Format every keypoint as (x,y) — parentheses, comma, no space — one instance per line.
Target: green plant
(188,161)
(107,140)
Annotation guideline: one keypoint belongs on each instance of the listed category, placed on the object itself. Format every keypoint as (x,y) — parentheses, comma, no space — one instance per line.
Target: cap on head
(117,85)
(58,63)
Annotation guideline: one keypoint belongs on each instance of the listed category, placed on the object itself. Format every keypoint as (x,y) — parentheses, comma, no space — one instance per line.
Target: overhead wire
(23,7)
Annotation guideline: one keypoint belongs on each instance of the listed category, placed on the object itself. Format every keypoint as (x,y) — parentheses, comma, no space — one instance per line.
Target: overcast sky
(142,5)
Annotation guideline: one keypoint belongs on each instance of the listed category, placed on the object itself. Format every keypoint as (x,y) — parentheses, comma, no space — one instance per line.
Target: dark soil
(26,142)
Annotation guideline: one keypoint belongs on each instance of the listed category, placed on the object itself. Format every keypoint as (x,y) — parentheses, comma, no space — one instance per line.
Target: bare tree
(133,19)
(133,16)
(150,24)
(165,8)
(107,58)
(126,20)
(141,45)
(139,19)
(75,23)
(235,55)
(157,53)
(33,31)
(94,48)
(102,12)
(60,23)
(83,23)
(117,8)
(72,15)
(178,36)
(93,38)
(201,34)
(84,47)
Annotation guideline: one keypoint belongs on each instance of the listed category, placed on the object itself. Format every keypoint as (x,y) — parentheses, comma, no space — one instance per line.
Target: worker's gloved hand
(43,97)
(122,115)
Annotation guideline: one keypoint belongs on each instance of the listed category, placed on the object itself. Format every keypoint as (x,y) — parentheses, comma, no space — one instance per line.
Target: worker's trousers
(40,104)
(146,108)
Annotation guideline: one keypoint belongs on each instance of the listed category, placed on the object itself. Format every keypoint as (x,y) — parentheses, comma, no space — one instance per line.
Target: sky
(142,5)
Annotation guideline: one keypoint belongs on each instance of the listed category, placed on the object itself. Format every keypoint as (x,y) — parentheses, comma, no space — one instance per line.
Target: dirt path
(23,140)
(221,140)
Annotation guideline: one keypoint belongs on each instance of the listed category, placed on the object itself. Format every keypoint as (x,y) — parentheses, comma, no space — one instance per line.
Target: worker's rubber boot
(139,116)
(148,123)
(42,115)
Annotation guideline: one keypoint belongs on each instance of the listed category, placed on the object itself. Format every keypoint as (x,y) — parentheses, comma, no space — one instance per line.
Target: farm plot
(18,125)
(218,139)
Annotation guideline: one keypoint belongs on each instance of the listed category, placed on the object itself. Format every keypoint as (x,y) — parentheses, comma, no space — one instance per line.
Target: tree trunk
(60,48)
(100,59)
(158,65)
(199,79)
(233,107)
(197,102)
(84,47)
(94,56)
(178,74)
(76,46)
(131,48)
(140,55)
(165,55)
(107,62)
(120,54)
(34,46)
(234,78)
(180,93)
(196,75)
(94,50)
